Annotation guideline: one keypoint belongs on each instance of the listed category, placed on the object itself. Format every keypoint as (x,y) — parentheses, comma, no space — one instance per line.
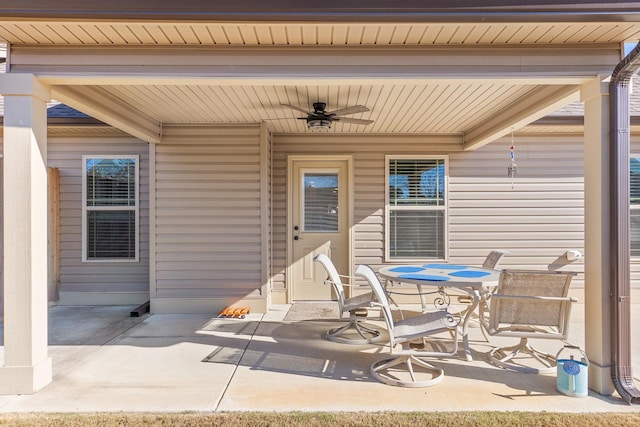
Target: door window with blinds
(416,208)
(634,198)
(110,208)
(320,202)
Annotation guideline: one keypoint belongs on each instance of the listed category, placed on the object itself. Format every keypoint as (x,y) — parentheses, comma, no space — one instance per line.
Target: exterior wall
(212,218)
(537,220)
(208,219)
(369,188)
(97,283)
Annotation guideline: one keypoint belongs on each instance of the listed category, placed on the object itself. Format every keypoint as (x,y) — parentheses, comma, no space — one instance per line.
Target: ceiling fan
(319,118)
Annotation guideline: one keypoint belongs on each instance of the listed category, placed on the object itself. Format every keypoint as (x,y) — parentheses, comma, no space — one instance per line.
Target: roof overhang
(328,10)
(450,68)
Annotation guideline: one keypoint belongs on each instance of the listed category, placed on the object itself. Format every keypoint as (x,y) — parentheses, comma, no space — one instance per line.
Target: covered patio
(106,361)
(447,80)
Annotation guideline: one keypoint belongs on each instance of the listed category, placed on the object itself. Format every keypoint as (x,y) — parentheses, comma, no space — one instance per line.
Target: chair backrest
(370,276)
(493,259)
(527,299)
(334,277)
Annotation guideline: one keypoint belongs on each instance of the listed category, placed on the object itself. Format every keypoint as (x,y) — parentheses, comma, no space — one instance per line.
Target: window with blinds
(634,198)
(110,208)
(416,208)
(320,202)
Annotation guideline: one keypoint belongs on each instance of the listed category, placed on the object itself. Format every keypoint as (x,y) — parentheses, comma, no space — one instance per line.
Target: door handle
(296,237)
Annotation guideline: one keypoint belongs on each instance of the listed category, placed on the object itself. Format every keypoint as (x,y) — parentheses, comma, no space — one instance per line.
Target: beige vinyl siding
(537,221)
(65,154)
(208,212)
(537,217)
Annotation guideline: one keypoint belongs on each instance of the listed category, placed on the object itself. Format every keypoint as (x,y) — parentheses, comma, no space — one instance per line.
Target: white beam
(105,79)
(526,110)
(103,106)
(596,235)
(27,366)
(573,63)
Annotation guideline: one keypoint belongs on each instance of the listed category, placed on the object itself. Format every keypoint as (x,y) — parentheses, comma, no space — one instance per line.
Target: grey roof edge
(328,10)
(70,121)
(63,115)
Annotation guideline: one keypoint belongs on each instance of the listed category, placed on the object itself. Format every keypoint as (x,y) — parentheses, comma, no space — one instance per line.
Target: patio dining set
(523,304)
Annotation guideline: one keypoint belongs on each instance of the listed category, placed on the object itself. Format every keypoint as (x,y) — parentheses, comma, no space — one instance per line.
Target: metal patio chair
(407,345)
(528,304)
(355,306)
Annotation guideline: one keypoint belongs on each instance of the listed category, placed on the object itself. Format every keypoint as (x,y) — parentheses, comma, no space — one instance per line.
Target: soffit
(395,108)
(122,33)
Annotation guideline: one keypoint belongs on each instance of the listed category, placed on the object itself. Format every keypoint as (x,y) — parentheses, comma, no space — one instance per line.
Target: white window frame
(86,209)
(389,208)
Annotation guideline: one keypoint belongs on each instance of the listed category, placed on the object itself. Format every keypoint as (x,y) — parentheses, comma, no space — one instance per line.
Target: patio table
(474,281)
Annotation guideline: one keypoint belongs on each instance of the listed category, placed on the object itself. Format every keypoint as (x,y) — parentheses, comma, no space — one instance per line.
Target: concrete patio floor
(104,360)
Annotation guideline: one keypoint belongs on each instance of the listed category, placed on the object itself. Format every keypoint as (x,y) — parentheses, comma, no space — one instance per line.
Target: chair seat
(424,324)
(358,301)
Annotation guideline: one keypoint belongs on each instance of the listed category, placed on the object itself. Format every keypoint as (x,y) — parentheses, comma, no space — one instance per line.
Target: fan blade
(350,110)
(354,121)
(280,118)
(295,108)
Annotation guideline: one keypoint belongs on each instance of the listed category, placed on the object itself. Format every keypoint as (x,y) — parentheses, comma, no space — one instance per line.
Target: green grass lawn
(273,419)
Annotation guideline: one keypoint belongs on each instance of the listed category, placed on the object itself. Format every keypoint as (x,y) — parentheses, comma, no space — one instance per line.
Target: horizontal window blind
(321,202)
(111,234)
(111,182)
(416,234)
(416,182)
(110,208)
(416,212)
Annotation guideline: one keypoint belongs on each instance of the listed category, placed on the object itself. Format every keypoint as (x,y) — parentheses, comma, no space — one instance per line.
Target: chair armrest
(379,305)
(346,285)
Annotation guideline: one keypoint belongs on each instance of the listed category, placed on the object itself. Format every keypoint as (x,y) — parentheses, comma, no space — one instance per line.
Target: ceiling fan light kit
(319,124)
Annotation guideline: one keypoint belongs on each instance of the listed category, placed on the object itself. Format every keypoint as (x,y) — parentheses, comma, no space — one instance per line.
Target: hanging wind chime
(512,170)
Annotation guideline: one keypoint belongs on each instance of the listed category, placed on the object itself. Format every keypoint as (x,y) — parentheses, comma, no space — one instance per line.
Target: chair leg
(503,357)
(380,371)
(367,334)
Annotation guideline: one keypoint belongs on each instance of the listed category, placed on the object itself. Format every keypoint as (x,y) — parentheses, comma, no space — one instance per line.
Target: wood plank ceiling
(320,34)
(397,108)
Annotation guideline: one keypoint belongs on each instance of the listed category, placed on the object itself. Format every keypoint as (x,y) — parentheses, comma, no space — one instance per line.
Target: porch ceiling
(416,108)
(119,33)
(475,113)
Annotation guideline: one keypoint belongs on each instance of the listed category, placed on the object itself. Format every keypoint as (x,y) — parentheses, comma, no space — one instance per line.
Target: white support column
(595,96)
(27,366)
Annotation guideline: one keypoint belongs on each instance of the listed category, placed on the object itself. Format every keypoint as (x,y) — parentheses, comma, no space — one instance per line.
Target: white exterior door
(319,221)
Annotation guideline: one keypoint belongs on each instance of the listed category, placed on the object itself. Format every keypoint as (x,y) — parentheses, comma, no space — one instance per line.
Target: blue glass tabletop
(406,269)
